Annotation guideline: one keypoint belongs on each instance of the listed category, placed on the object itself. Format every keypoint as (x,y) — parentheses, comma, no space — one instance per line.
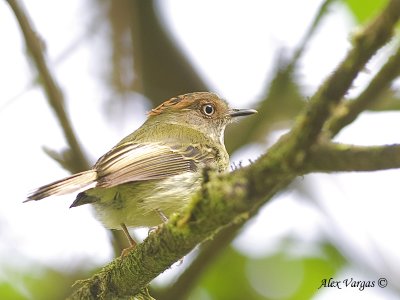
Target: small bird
(153,172)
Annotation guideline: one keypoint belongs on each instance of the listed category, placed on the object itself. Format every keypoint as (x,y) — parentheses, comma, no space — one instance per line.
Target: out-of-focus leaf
(364,10)
(7,291)
(280,276)
(318,268)
(51,284)
(226,279)
(37,282)
(283,276)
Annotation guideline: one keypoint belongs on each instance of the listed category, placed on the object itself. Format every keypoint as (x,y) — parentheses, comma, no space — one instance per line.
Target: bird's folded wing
(137,162)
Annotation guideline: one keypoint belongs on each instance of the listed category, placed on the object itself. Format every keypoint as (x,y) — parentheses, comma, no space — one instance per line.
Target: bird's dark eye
(208,109)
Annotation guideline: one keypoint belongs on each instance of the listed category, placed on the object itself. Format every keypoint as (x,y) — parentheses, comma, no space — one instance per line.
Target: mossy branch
(332,157)
(232,198)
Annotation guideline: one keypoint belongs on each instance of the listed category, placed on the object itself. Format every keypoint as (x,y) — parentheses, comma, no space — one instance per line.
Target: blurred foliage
(8,290)
(278,276)
(37,282)
(364,10)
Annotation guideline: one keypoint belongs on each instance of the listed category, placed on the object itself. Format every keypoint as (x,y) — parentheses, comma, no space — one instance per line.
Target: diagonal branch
(77,161)
(350,110)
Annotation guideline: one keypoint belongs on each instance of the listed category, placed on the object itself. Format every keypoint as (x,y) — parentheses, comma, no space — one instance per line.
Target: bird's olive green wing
(138,162)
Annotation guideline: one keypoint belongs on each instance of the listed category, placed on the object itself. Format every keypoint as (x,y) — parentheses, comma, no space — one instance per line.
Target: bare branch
(76,161)
(333,157)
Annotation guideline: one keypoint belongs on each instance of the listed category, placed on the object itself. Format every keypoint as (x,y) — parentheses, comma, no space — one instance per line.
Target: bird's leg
(132,242)
(164,219)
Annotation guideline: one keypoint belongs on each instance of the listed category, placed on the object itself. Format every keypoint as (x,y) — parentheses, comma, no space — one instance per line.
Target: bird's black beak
(234,112)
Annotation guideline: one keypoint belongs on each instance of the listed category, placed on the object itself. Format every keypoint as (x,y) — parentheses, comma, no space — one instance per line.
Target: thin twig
(323,9)
(77,161)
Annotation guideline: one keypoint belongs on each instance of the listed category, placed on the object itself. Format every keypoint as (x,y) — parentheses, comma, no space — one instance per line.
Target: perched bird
(152,172)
